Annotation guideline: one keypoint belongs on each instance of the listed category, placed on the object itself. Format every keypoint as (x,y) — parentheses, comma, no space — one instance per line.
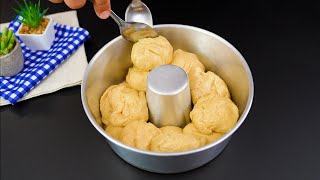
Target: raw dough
(174,142)
(121,104)
(171,129)
(137,79)
(187,61)
(139,134)
(124,108)
(214,114)
(204,139)
(114,131)
(133,35)
(202,83)
(149,53)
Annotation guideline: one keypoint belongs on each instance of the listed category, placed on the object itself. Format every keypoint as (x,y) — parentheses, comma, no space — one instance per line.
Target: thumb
(102,8)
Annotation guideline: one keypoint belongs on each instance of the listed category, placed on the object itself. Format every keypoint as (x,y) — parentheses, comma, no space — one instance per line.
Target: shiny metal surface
(137,11)
(168,96)
(109,66)
(133,31)
(169,164)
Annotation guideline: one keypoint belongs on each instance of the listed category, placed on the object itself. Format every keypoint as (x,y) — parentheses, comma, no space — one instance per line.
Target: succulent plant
(31,13)
(7,41)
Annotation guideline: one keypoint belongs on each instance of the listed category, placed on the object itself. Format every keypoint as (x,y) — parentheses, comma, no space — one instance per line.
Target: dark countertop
(50,137)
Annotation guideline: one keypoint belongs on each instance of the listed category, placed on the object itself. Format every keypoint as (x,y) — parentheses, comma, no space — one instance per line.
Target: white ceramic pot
(39,41)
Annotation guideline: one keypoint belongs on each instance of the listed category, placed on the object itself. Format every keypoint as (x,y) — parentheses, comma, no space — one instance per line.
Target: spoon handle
(117,19)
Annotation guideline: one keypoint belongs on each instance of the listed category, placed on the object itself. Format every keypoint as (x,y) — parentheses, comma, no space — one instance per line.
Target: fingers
(74,4)
(102,8)
(56,1)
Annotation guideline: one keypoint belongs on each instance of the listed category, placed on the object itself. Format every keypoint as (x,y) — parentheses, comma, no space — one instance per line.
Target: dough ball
(174,142)
(134,35)
(149,53)
(139,134)
(214,114)
(120,105)
(171,129)
(203,138)
(187,61)
(137,79)
(114,131)
(105,107)
(202,83)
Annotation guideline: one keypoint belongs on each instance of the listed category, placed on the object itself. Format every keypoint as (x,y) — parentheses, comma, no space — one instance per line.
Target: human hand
(101,7)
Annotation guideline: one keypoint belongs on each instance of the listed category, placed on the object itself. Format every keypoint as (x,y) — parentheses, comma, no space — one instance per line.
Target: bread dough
(149,53)
(187,61)
(137,79)
(202,83)
(174,142)
(203,138)
(139,134)
(214,114)
(133,35)
(171,129)
(114,131)
(121,104)
(124,107)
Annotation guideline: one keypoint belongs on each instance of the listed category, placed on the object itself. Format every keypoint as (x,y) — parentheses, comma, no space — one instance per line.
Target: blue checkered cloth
(39,64)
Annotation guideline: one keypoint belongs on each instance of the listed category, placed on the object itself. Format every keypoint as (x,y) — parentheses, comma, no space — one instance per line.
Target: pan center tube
(168,96)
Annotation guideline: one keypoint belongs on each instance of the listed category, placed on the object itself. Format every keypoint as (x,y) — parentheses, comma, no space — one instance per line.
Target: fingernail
(104,14)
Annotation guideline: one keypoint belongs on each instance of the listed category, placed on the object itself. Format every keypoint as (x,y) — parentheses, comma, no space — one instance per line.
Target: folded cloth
(39,64)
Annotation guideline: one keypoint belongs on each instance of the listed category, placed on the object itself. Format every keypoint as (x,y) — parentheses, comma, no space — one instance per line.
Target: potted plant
(11,57)
(36,31)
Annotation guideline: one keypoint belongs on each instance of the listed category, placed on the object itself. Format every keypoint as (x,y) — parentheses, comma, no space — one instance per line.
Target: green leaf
(4,51)
(44,12)
(31,13)
(38,4)
(12,39)
(10,46)
(20,5)
(17,11)
(5,32)
(2,44)
(10,34)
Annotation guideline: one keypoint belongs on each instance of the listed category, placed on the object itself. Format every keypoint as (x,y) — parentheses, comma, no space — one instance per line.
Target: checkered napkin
(39,64)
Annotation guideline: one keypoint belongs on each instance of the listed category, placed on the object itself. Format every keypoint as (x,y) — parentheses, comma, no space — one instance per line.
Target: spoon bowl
(137,11)
(133,31)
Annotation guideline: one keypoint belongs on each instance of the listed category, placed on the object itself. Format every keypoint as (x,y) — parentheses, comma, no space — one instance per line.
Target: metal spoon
(137,11)
(133,31)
